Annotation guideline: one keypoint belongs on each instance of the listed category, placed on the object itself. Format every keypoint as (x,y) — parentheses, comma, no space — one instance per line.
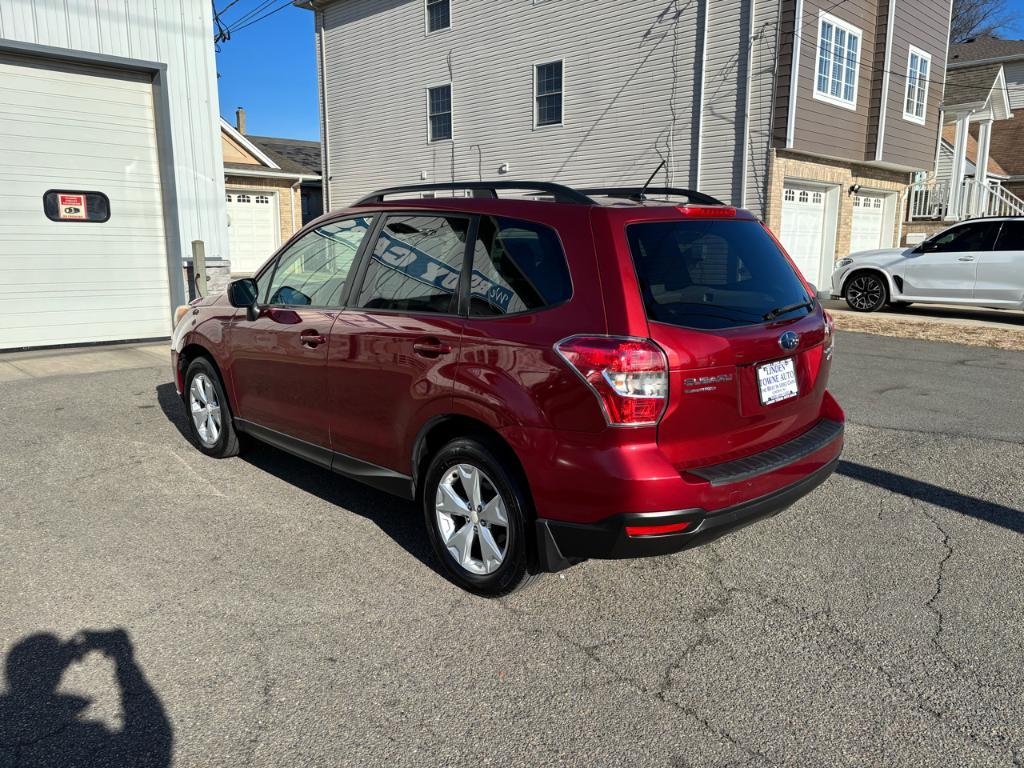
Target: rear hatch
(745,338)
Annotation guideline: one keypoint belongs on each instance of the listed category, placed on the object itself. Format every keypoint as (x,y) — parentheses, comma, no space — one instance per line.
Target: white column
(956,179)
(981,163)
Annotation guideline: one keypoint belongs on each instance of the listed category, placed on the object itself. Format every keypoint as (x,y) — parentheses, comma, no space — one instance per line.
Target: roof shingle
(985,47)
(293,155)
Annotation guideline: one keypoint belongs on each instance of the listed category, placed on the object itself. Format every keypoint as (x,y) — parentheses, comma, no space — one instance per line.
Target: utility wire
(270,13)
(255,11)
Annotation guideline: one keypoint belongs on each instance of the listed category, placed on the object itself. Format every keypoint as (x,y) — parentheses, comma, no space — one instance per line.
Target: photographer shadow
(40,727)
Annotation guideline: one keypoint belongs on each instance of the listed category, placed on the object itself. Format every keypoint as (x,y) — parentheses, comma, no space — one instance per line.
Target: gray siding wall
(923,24)
(763,55)
(827,129)
(632,85)
(726,70)
(178,33)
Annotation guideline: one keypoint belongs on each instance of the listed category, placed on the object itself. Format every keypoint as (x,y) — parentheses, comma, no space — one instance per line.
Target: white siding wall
(632,79)
(1014,72)
(178,33)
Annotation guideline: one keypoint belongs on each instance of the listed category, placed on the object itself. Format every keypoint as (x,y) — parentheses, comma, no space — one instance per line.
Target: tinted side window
(1011,236)
(968,237)
(415,264)
(517,266)
(312,272)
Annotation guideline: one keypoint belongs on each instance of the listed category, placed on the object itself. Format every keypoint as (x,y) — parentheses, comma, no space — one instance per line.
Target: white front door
(79,128)
(253,232)
(803,228)
(868,224)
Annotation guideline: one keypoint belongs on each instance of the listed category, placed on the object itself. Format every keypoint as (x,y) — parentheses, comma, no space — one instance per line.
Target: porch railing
(933,200)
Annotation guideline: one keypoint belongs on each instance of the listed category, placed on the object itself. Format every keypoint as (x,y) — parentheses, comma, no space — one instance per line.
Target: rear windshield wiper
(772,314)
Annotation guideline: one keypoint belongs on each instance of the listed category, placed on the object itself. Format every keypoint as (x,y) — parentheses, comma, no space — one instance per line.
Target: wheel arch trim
(890,283)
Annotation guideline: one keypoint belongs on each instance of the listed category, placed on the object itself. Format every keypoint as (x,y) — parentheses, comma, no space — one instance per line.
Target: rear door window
(415,264)
(518,266)
(1011,236)
(712,273)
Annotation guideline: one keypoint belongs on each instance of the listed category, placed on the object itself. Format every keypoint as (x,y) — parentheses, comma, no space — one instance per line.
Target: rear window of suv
(713,274)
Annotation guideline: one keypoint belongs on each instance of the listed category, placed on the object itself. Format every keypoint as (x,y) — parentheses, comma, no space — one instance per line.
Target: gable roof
(291,155)
(252,149)
(984,48)
(982,87)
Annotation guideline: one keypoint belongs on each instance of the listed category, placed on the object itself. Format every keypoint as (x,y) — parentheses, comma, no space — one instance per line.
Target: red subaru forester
(553,376)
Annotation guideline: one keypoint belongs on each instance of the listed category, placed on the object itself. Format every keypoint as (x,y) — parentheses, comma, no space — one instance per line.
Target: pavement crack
(940,583)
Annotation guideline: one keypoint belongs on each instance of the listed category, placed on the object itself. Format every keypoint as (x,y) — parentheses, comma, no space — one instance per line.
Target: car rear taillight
(629,376)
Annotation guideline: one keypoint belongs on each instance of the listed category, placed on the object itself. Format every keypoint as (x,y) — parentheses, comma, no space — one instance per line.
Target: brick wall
(789,165)
(287,200)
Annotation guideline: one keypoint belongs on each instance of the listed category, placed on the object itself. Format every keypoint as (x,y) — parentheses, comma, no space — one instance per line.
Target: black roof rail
(486,189)
(640,193)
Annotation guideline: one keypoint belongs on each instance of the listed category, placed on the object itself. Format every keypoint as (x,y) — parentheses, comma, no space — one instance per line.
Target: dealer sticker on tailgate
(777,381)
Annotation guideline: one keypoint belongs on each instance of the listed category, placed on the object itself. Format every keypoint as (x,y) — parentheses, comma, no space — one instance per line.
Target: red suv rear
(552,378)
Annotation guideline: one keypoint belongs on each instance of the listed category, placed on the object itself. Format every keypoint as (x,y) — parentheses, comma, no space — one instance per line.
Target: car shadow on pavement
(399,519)
(44,728)
(990,512)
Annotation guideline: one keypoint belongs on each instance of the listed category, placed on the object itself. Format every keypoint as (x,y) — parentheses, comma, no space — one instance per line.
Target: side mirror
(243,294)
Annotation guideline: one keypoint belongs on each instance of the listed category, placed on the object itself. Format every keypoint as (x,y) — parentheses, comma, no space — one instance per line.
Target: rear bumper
(806,462)
(561,544)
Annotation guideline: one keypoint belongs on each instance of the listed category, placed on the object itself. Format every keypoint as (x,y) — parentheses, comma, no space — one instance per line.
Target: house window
(439,111)
(918,69)
(439,15)
(548,90)
(789,194)
(263,199)
(838,62)
(243,199)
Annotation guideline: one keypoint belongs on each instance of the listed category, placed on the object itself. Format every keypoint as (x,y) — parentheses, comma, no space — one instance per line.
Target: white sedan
(978,263)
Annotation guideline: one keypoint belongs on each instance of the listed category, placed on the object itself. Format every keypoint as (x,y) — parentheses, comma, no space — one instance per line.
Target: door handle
(966,258)
(431,347)
(312,338)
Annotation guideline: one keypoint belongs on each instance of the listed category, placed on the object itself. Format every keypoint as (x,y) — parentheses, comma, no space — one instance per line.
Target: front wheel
(866,292)
(476,514)
(209,413)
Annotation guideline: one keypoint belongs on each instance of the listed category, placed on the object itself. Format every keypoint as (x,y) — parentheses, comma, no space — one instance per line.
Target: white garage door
(79,128)
(252,228)
(803,228)
(868,222)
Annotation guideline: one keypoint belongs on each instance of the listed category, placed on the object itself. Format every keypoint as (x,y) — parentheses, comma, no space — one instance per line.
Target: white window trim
(427,31)
(910,116)
(533,74)
(426,107)
(828,98)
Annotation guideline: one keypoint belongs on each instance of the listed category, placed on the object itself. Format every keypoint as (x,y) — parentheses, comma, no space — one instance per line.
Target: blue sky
(270,69)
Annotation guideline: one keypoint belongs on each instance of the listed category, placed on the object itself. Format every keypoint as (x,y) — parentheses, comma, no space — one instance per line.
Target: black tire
(514,571)
(226,442)
(866,292)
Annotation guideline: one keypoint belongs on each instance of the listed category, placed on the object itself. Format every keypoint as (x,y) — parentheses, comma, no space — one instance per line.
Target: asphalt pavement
(276,615)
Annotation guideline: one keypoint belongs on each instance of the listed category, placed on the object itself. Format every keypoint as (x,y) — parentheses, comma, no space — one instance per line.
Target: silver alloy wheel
(472,519)
(202,399)
(865,292)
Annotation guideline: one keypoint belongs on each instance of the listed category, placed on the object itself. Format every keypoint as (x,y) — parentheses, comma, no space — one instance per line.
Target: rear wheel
(866,292)
(476,515)
(209,414)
